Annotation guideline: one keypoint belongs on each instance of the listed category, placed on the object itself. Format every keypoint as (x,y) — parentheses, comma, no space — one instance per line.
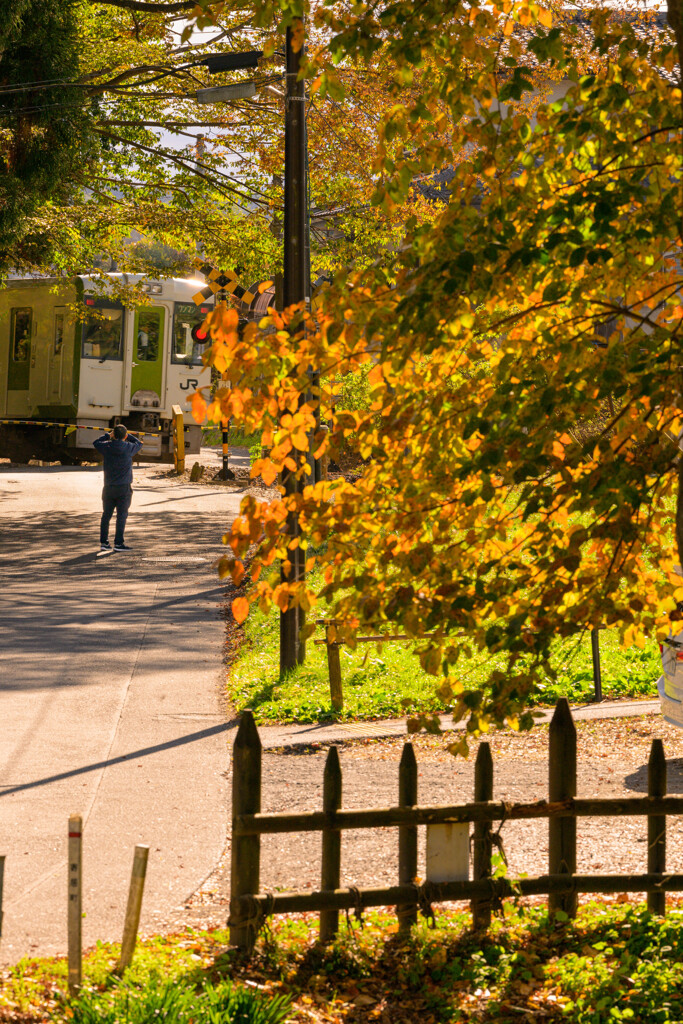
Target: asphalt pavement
(110,706)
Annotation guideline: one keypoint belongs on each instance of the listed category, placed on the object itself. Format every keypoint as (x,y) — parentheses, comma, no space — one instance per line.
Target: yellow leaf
(545,17)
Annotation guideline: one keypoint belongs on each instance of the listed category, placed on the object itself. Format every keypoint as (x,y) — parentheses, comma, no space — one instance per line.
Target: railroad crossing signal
(221,281)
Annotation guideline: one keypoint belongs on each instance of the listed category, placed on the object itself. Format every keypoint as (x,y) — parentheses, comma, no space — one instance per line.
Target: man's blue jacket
(118,459)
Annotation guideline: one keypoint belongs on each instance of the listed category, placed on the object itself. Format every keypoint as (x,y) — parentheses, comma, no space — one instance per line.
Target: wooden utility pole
(295,290)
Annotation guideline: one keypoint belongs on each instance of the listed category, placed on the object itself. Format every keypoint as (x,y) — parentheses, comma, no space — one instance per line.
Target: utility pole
(296,277)
(295,290)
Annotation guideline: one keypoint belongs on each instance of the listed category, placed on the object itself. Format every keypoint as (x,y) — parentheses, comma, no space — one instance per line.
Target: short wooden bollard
(656,826)
(482,845)
(132,919)
(331,852)
(75,903)
(562,786)
(407,835)
(245,862)
(334,670)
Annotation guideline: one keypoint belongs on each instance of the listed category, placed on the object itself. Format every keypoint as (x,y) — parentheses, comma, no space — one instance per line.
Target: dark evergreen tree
(45,117)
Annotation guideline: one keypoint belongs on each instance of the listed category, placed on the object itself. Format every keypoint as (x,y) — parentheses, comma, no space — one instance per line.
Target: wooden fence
(332,645)
(249,908)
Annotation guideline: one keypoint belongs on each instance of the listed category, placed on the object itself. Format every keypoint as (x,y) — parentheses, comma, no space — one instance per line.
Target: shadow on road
(674,777)
(181,741)
(67,601)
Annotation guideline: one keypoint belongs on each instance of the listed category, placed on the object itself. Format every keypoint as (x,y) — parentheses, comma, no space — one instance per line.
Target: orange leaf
(240,609)
(300,440)
(268,472)
(198,407)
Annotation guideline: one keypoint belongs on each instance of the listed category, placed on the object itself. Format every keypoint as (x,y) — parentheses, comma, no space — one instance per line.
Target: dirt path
(612,759)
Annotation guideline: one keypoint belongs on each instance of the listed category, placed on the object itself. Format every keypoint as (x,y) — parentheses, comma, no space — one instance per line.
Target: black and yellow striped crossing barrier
(76,426)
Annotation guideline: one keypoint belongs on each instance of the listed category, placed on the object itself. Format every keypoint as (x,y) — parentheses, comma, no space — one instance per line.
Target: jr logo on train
(112,364)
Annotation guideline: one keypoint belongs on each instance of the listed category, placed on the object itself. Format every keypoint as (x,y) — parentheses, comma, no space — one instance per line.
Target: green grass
(172,980)
(376,680)
(613,963)
(212,436)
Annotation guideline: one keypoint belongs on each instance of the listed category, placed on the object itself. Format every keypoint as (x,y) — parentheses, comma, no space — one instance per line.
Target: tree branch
(150,8)
(193,168)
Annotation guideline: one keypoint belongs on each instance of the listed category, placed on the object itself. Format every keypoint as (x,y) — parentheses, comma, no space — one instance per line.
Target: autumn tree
(104,91)
(478,518)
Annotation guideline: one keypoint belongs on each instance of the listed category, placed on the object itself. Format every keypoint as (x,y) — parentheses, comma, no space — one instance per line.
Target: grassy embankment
(614,963)
(376,680)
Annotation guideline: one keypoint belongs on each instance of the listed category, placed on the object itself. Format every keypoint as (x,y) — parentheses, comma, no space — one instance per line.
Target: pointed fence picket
(249,908)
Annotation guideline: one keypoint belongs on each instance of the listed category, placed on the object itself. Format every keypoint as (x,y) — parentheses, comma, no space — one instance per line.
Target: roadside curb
(291,738)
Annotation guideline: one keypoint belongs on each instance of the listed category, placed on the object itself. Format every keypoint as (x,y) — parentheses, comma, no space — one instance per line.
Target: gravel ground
(612,761)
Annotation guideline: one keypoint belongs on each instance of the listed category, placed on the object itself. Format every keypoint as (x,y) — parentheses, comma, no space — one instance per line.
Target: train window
(187,349)
(59,333)
(21,334)
(103,335)
(148,335)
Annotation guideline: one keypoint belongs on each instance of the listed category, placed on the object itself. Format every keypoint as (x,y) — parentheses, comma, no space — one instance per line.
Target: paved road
(109,698)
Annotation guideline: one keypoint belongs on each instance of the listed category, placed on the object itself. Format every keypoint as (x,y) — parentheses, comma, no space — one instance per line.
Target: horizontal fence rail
(448,830)
(378,817)
(444,892)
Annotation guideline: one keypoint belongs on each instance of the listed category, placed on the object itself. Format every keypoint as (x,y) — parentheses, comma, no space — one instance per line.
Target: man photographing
(118,449)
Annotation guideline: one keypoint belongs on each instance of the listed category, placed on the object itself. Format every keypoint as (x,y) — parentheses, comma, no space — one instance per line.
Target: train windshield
(103,334)
(186,348)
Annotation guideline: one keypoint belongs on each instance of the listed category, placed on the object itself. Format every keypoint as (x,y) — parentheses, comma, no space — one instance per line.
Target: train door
(101,373)
(21,353)
(146,359)
(55,356)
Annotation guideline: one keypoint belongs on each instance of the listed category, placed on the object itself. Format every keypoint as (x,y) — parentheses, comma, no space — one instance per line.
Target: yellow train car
(75,361)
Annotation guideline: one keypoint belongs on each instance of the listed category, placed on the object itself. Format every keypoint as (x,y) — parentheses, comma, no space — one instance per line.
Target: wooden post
(334,668)
(246,850)
(562,786)
(481,866)
(656,826)
(75,903)
(597,672)
(407,835)
(132,920)
(178,439)
(331,855)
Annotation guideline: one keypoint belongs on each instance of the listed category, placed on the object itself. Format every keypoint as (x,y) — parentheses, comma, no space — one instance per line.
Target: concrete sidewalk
(297,737)
(110,672)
